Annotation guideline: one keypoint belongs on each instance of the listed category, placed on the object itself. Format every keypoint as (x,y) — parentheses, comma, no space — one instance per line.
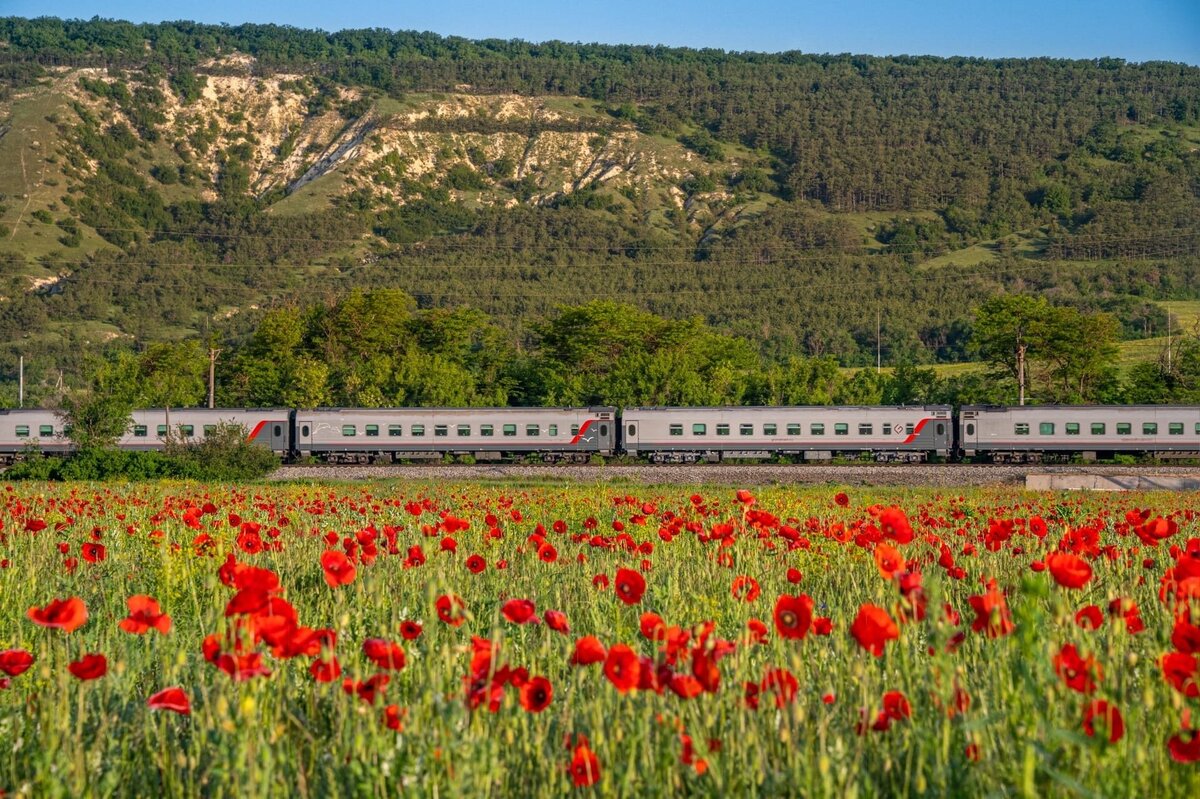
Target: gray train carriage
(688,435)
(268,427)
(372,435)
(1034,433)
(32,428)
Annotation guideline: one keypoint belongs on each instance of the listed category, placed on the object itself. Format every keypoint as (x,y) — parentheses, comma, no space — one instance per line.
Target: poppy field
(542,640)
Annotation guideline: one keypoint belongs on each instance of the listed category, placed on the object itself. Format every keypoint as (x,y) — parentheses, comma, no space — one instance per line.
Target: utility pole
(1168,342)
(878,345)
(21,382)
(213,352)
(1021,370)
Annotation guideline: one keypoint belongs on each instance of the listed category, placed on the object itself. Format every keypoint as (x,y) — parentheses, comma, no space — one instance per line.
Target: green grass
(286,735)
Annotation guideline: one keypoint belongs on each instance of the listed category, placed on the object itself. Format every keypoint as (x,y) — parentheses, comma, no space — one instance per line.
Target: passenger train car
(687,435)
(361,435)
(1032,433)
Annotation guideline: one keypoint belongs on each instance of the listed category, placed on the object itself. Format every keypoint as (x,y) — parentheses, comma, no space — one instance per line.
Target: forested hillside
(174,182)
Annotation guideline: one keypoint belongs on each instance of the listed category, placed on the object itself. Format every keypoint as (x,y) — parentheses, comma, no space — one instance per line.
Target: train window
(139,430)
(865,429)
(1175,428)
(1098,428)
(278,431)
(441,430)
(746,430)
(1124,428)
(1046,428)
(604,431)
(394,431)
(552,430)
(509,430)
(633,430)
(417,431)
(770,430)
(487,430)
(373,430)
(1072,428)
(841,429)
(533,430)
(161,430)
(794,429)
(22,431)
(722,429)
(464,429)
(699,429)
(349,430)
(574,429)
(1149,428)
(209,429)
(46,430)
(676,429)
(186,430)
(909,429)
(1021,429)
(970,428)
(1198,428)
(304,431)
(941,428)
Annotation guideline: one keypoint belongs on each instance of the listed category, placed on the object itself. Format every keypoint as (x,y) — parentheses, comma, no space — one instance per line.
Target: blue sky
(1146,30)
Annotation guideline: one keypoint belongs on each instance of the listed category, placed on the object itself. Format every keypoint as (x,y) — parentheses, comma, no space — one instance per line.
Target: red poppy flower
(338,568)
(873,628)
(393,717)
(536,694)
(991,612)
(557,620)
(384,654)
(89,667)
(520,611)
(476,564)
(782,683)
(585,766)
(822,625)
(1079,673)
(547,553)
(630,586)
(756,631)
(588,650)
(1098,710)
(325,670)
(793,615)
(896,706)
(369,689)
(450,609)
(894,524)
(745,588)
(652,627)
(1089,617)
(1182,671)
(794,576)
(14,662)
(92,552)
(745,497)
(621,667)
(1185,746)
(144,614)
(841,498)
(67,615)
(410,630)
(1069,571)
(888,559)
(173,699)
(1185,636)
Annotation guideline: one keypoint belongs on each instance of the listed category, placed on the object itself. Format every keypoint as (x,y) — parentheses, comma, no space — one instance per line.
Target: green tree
(97,416)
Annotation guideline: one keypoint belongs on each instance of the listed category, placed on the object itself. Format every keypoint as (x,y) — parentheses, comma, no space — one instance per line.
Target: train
(661,435)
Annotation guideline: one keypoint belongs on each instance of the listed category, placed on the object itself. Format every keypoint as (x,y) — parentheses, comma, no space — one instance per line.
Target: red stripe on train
(582,430)
(257,429)
(916,431)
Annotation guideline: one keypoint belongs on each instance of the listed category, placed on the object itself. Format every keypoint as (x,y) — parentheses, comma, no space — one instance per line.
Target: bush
(223,454)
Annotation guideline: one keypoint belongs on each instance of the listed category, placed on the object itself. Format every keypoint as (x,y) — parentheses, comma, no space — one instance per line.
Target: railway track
(915,476)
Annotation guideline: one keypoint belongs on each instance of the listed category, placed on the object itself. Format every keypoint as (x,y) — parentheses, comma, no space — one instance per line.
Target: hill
(161,182)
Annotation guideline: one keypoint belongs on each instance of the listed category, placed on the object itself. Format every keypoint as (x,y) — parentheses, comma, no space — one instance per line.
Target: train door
(630,435)
(277,435)
(969,433)
(304,434)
